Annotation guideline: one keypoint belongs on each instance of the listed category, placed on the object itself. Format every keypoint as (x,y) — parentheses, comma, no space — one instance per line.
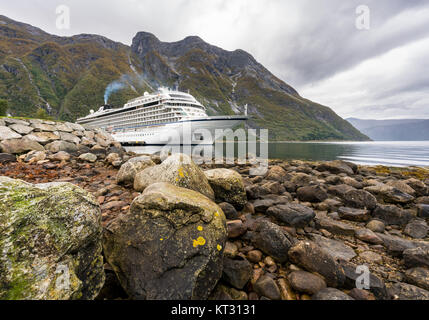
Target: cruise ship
(157,119)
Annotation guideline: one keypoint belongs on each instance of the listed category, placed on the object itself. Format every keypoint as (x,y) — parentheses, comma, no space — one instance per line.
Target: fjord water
(389,153)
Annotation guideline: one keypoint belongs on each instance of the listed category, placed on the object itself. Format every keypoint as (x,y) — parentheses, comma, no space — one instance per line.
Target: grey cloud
(303,42)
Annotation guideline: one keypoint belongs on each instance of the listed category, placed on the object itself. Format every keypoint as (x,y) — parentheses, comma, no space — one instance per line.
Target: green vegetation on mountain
(66,77)
(3,107)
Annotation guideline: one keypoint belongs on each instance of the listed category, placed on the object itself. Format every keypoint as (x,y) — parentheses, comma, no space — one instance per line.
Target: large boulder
(169,246)
(228,186)
(22,145)
(179,170)
(50,242)
(129,169)
(6,133)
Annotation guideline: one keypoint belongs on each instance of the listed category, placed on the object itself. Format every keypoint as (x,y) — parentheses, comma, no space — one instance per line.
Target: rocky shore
(80,218)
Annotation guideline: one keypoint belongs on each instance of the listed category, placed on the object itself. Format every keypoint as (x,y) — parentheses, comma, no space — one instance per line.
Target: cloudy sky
(314,45)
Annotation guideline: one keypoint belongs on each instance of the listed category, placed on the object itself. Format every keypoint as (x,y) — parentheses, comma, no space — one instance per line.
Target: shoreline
(297,232)
(324,217)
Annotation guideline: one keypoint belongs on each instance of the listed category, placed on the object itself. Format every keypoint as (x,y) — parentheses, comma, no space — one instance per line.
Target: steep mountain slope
(68,76)
(393,130)
(65,75)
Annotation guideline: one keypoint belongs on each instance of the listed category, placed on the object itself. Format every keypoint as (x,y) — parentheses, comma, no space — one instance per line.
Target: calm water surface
(389,153)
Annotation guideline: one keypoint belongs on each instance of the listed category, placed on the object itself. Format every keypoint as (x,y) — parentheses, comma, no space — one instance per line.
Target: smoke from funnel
(113,87)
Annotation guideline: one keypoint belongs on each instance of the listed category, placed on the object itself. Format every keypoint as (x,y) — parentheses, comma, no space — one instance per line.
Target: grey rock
(43,137)
(129,169)
(54,239)
(43,127)
(293,214)
(229,210)
(306,282)
(6,133)
(60,145)
(178,169)
(311,194)
(392,215)
(335,248)
(228,186)
(360,199)
(336,167)
(405,291)
(313,258)
(423,210)
(335,227)
(376,226)
(376,284)
(340,190)
(418,277)
(12,121)
(389,194)
(269,238)
(21,129)
(16,146)
(169,245)
(416,257)
(267,287)
(368,236)
(237,272)
(397,245)
(417,229)
(65,136)
(89,157)
(7,158)
(331,294)
(353,214)
(276,173)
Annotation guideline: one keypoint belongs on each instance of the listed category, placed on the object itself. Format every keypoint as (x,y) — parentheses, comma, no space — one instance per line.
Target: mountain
(393,130)
(68,76)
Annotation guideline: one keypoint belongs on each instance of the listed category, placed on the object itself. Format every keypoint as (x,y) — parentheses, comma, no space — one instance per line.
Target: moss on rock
(228,186)
(50,244)
(169,246)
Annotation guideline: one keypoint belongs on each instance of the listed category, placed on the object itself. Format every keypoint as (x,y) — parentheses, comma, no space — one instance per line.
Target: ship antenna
(245,110)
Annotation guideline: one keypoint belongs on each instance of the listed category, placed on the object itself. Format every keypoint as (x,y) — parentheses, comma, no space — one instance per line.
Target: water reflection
(401,153)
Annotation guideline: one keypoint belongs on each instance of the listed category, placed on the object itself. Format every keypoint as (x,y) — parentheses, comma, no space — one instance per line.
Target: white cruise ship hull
(195,131)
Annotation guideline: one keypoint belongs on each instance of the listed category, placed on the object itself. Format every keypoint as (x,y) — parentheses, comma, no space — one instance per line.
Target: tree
(3,107)
(42,114)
